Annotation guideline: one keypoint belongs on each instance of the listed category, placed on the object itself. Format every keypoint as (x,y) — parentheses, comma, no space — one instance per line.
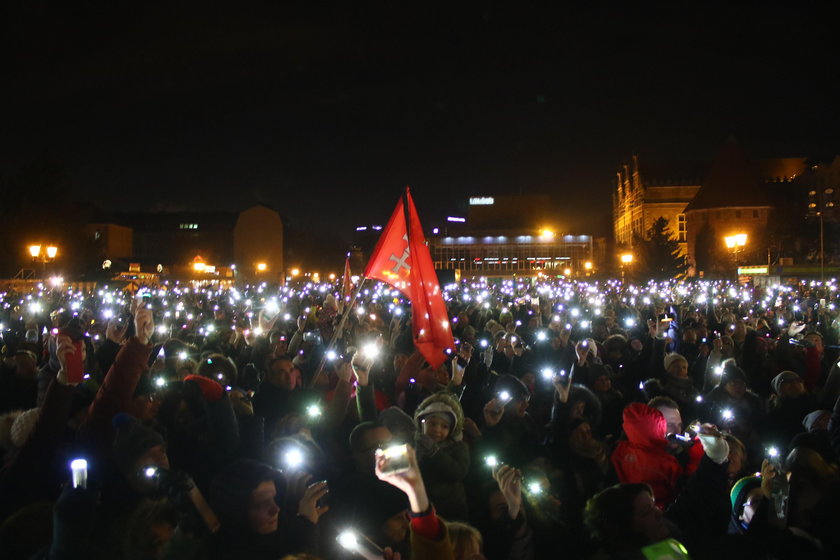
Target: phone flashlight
(293,458)
(773,452)
(150,472)
(535,488)
(504,396)
(79,469)
(313,411)
(370,350)
(548,374)
(728,414)
(491,461)
(359,545)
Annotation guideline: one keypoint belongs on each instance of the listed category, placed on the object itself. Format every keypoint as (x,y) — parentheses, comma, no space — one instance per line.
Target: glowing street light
(295,272)
(587,265)
(627,258)
(736,241)
(262,267)
(547,233)
(34,250)
(52,251)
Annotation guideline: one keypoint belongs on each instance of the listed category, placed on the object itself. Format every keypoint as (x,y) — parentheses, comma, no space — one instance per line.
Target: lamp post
(735,243)
(43,255)
(626,261)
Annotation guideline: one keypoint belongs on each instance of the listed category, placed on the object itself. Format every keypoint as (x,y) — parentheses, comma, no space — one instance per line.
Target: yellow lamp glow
(627,258)
(295,271)
(587,265)
(52,251)
(34,250)
(262,267)
(736,240)
(199,266)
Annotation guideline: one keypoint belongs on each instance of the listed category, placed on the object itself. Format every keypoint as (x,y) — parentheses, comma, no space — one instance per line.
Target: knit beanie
(132,441)
(776,384)
(23,425)
(210,390)
(671,358)
(439,409)
(231,490)
(812,418)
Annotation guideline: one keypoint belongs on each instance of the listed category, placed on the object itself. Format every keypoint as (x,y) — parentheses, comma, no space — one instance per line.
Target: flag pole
(347,310)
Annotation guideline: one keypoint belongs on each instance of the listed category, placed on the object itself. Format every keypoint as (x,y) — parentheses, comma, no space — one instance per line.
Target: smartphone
(396,459)
(73,362)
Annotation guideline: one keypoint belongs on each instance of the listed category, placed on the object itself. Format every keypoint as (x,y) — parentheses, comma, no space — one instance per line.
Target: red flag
(347,281)
(402,260)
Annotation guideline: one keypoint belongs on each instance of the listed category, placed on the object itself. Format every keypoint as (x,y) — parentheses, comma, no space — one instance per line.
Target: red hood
(645,426)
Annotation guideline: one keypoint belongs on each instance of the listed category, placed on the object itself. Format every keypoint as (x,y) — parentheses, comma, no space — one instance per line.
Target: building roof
(781,169)
(732,181)
(666,173)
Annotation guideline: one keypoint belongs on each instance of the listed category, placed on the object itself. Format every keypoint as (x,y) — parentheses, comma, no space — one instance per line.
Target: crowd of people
(573,419)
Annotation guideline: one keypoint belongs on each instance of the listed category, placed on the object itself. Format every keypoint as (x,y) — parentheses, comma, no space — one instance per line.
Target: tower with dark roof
(731,200)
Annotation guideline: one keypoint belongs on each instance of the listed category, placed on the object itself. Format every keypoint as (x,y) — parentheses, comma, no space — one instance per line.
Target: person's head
(625,517)
(727,346)
(733,380)
(816,421)
(365,439)
(136,448)
(580,431)
(689,335)
(517,393)
(440,417)
(815,339)
(671,411)
(676,365)
(466,541)
(245,496)
(26,364)
(745,497)
(281,373)
(739,332)
(150,529)
(219,368)
(788,385)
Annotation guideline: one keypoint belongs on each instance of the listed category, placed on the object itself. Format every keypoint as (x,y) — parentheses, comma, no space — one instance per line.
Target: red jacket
(643,456)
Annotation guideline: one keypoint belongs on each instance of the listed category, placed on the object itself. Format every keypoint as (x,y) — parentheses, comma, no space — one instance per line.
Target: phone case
(74,365)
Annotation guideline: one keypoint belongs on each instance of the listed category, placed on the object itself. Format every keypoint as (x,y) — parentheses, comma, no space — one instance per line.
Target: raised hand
(493,412)
(510,484)
(144,325)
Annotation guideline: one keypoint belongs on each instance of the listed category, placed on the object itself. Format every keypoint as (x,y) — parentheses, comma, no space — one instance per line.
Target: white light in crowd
(183,355)
(491,461)
(293,458)
(718,370)
(727,414)
(504,396)
(548,374)
(313,411)
(535,488)
(773,452)
(150,472)
(584,324)
(698,398)
(370,350)
(348,540)
(575,312)
(331,355)
(629,323)
(541,336)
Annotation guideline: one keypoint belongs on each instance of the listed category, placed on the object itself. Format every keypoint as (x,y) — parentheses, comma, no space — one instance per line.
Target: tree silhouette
(659,253)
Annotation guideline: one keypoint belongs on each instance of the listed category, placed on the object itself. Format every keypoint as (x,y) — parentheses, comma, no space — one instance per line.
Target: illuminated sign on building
(745,270)
(456,219)
(481,201)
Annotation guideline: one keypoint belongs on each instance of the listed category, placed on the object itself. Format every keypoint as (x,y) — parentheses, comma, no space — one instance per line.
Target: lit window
(188,226)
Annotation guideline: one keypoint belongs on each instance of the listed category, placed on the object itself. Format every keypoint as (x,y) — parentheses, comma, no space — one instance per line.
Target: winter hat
(231,490)
(133,439)
(673,357)
(731,372)
(23,426)
(210,390)
(400,424)
(776,384)
(812,418)
(741,489)
(512,385)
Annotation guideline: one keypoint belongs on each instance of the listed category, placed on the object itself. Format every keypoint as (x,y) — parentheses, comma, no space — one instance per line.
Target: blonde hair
(464,538)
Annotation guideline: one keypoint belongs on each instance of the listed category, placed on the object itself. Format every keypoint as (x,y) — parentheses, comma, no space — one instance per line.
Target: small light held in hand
(491,461)
(313,411)
(548,374)
(348,540)
(504,396)
(773,452)
(293,458)
(727,414)
(535,488)
(150,472)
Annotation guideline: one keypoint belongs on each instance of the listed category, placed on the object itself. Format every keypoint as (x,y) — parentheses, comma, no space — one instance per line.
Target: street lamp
(626,260)
(735,243)
(43,255)
(262,267)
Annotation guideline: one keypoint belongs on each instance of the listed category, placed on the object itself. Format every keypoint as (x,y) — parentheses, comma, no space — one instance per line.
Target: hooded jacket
(643,456)
(444,465)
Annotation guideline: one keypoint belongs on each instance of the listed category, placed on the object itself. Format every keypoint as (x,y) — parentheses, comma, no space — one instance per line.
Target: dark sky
(326,113)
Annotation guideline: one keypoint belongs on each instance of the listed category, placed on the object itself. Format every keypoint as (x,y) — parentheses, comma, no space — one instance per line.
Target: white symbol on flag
(400,261)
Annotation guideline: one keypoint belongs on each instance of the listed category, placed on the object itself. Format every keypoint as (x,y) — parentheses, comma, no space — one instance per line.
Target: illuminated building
(512,234)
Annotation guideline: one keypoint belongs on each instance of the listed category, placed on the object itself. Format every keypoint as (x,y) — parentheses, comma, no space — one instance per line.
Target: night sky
(326,113)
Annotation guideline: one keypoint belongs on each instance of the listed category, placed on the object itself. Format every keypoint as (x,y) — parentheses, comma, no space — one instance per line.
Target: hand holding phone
(71,359)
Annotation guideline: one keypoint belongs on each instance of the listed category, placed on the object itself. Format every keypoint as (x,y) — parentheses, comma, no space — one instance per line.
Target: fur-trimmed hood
(445,403)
